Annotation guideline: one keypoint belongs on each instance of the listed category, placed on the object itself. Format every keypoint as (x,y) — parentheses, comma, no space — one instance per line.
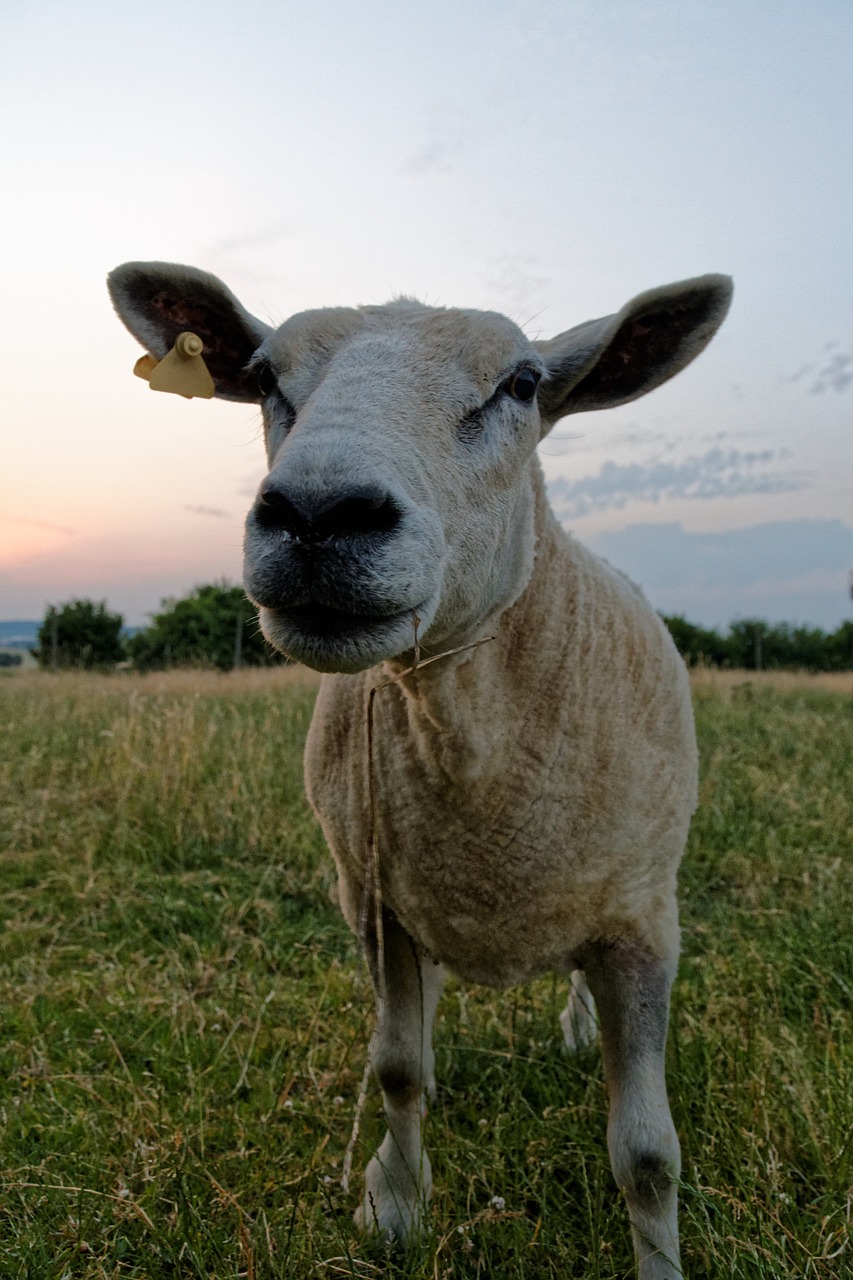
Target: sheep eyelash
(278,414)
(273,397)
(471,427)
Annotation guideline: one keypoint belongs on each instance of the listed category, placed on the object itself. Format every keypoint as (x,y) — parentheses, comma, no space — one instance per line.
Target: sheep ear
(607,362)
(159,300)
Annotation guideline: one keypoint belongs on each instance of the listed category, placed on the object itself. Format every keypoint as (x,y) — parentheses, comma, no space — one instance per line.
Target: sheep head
(399,438)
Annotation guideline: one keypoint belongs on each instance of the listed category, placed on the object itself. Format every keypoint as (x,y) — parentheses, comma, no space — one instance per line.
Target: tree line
(216,626)
(754,645)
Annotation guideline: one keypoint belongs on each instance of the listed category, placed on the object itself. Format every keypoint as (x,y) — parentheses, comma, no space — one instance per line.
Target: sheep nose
(363,512)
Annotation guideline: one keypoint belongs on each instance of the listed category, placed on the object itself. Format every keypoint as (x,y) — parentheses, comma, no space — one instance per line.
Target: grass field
(185,1018)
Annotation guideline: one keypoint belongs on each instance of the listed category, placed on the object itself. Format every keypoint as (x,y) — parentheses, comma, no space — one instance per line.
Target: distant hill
(21,634)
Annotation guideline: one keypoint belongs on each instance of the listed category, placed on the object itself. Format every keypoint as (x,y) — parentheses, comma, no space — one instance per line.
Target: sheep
(525,798)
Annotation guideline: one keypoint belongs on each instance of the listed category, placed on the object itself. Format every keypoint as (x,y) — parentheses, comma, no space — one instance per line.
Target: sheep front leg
(398,1179)
(631,990)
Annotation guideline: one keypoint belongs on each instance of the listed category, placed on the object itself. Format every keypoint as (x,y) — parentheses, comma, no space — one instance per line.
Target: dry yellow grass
(179,681)
(782,681)
(257,679)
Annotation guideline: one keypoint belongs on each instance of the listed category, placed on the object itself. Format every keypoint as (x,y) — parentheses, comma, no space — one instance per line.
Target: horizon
(31,624)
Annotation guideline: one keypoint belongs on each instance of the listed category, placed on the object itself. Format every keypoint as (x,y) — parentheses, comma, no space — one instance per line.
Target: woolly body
(533,794)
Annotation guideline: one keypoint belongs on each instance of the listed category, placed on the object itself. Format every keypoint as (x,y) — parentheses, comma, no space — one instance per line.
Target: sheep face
(399,504)
(397,439)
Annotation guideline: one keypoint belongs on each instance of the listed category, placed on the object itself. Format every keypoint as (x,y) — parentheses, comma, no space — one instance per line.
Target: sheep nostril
(358,513)
(275,510)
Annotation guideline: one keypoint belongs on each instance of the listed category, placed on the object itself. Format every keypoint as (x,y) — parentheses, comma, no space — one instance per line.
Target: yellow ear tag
(182,371)
(145,366)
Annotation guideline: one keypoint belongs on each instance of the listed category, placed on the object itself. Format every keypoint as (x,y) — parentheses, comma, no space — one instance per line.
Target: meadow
(185,1017)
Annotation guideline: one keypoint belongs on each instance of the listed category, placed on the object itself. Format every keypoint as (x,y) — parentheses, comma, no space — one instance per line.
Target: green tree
(81,633)
(755,645)
(807,649)
(214,626)
(839,648)
(699,646)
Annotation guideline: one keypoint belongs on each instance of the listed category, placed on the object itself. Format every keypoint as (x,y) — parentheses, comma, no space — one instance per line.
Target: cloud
(432,158)
(836,374)
(207,511)
(632,436)
(799,374)
(48,525)
(517,279)
(449,136)
(718,473)
(787,570)
(233,245)
(833,371)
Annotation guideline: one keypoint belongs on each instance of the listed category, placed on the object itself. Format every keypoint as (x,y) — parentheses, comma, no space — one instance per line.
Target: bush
(214,626)
(81,633)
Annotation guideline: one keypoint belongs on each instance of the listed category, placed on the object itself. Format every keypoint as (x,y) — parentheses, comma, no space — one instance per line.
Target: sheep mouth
(323,620)
(330,639)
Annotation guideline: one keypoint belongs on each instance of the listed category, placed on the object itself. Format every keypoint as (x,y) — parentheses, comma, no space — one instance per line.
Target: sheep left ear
(608,362)
(158,301)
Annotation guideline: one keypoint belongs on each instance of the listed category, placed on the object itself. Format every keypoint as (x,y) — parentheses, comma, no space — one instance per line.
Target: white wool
(531,794)
(534,793)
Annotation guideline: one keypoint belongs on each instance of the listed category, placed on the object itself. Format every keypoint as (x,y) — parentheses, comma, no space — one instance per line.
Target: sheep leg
(578,1019)
(398,1179)
(631,989)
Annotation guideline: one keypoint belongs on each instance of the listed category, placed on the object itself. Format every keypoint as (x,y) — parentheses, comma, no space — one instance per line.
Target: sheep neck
(496,667)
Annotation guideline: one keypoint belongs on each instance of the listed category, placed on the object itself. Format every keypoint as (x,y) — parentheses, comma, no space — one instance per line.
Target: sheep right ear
(159,300)
(607,362)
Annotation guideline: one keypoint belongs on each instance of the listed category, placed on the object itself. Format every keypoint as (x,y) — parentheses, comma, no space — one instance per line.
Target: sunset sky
(545,159)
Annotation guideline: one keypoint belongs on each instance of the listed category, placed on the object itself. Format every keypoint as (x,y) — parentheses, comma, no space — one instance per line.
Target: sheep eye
(522,385)
(267,381)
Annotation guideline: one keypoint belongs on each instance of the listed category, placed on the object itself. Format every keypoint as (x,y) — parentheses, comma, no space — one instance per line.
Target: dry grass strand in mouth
(371,896)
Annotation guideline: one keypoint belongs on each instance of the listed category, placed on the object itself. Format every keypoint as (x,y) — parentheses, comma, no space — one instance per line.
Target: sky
(546,159)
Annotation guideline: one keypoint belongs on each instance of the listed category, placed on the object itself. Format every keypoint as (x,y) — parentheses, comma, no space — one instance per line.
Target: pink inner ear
(657,334)
(644,352)
(173,309)
(227,345)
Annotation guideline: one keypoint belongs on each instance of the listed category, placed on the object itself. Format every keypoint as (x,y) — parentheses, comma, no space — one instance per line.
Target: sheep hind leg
(631,989)
(578,1020)
(398,1180)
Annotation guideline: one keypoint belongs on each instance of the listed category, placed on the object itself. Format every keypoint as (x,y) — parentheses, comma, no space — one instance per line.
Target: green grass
(185,1018)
